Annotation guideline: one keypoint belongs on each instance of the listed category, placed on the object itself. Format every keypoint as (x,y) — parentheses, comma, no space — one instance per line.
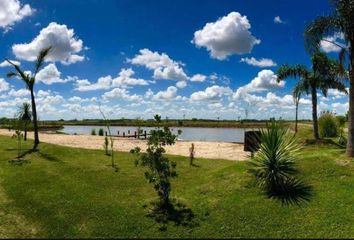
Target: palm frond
(296,71)
(40,59)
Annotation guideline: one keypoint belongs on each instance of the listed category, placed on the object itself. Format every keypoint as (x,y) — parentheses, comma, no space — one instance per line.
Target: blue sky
(203,59)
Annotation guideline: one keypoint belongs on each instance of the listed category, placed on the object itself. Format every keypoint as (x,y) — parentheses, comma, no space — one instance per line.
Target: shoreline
(209,150)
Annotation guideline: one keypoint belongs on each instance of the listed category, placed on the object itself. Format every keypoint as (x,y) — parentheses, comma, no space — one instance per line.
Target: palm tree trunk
(314,113)
(296,114)
(25,137)
(35,124)
(350,150)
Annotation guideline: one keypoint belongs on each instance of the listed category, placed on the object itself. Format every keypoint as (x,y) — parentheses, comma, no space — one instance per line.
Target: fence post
(135,134)
(123,134)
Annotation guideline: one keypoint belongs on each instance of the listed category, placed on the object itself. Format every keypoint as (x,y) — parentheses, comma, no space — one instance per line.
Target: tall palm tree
(25,115)
(341,21)
(297,91)
(322,76)
(30,79)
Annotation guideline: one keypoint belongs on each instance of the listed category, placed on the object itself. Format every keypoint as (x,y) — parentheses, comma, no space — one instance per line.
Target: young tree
(340,21)
(323,75)
(296,96)
(30,79)
(25,115)
(159,168)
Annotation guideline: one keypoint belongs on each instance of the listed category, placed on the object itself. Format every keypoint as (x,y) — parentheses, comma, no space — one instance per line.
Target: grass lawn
(67,192)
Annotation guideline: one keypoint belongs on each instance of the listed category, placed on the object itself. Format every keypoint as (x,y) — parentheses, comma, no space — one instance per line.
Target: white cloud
(181,84)
(125,78)
(336,94)
(11,11)
(7,64)
(330,44)
(227,36)
(278,20)
(121,93)
(198,78)
(211,93)
(50,74)
(263,62)
(4,86)
(19,93)
(265,80)
(84,85)
(162,65)
(169,94)
(65,46)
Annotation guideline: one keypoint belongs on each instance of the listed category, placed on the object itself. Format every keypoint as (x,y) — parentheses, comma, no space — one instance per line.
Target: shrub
(93,131)
(328,125)
(100,132)
(274,166)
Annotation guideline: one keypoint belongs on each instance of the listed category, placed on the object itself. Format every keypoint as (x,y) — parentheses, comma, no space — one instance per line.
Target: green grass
(67,192)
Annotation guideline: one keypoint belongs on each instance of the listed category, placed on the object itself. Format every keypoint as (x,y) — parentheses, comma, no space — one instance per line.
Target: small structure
(252,141)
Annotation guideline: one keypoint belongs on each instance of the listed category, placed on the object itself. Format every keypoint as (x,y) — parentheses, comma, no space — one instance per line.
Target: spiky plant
(25,115)
(274,165)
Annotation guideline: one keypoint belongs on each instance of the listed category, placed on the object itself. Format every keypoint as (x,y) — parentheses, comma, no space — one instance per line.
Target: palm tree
(298,90)
(25,115)
(30,79)
(341,21)
(323,75)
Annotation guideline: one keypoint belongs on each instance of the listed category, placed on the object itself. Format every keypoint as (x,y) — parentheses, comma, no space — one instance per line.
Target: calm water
(188,133)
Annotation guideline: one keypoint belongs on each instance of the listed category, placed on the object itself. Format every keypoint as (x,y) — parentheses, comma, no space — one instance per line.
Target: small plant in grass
(93,132)
(274,166)
(105,145)
(191,154)
(328,124)
(341,120)
(100,132)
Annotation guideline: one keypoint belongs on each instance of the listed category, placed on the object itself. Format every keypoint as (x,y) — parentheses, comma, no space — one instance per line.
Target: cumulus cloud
(162,65)
(169,94)
(4,86)
(84,85)
(65,46)
(12,11)
(121,93)
(19,93)
(125,78)
(7,64)
(263,62)
(211,93)
(198,78)
(227,36)
(278,20)
(181,84)
(330,43)
(50,74)
(265,80)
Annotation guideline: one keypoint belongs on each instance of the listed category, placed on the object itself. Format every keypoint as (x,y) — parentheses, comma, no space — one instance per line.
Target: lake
(188,133)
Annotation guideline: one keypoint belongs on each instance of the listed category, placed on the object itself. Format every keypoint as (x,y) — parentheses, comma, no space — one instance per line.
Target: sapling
(191,154)
(105,145)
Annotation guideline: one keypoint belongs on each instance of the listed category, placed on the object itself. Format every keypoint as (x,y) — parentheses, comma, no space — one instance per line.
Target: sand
(212,150)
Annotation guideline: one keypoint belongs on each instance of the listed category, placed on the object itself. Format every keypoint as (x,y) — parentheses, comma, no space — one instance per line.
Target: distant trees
(340,22)
(25,115)
(323,75)
(30,79)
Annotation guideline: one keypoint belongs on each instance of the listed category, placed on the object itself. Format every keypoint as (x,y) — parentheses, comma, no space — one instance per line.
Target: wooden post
(123,134)
(128,131)
(105,133)
(135,134)
(145,134)
(118,133)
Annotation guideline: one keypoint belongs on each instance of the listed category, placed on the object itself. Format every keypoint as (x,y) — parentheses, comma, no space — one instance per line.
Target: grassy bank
(67,192)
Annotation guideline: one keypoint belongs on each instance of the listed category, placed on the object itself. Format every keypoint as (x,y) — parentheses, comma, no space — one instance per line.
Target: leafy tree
(30,79)
(340,21)
(323,75)
(159,168)
(274,165)
(25,115)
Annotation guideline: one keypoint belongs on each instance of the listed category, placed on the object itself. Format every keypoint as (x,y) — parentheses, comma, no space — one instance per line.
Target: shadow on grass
(290,192)
(48,157)
(195,165)
(176,213)
(19,161)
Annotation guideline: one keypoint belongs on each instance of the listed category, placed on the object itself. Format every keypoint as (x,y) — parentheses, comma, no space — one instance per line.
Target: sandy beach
(213,150)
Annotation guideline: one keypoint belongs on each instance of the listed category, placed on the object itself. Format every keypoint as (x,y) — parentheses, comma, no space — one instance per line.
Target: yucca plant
(274,166)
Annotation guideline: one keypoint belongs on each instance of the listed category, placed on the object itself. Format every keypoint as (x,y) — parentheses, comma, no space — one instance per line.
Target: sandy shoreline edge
(211,150)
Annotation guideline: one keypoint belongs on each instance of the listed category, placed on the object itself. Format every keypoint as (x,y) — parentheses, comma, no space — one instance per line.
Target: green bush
(93,131)
(328,125)
(100,132)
